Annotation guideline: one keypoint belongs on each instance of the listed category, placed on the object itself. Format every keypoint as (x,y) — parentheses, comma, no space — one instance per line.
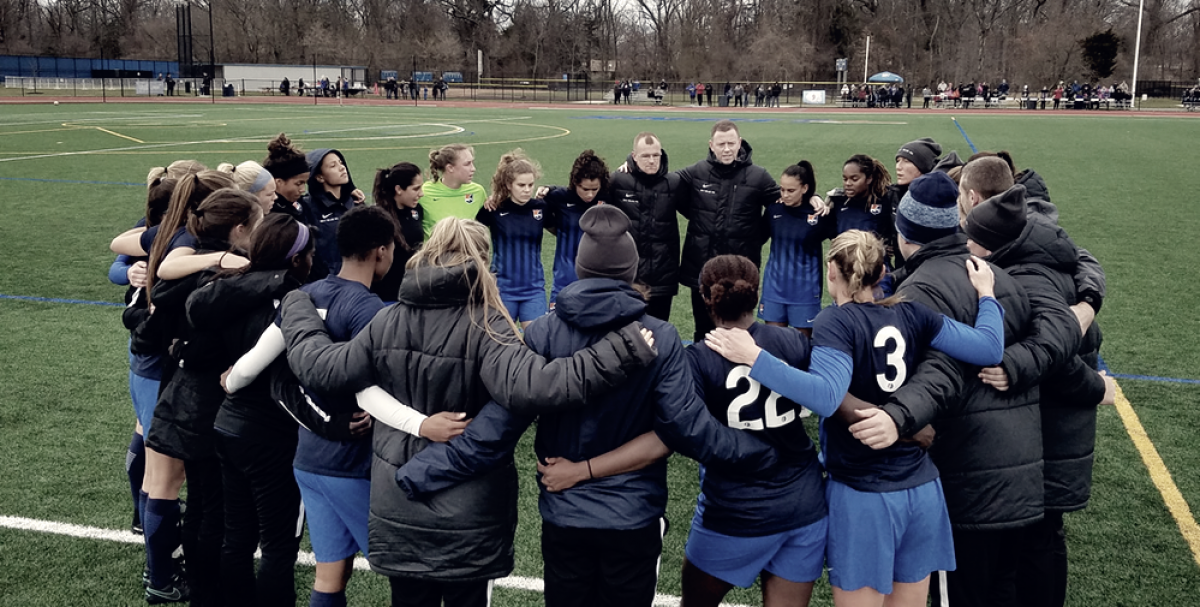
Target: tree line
(1025,41)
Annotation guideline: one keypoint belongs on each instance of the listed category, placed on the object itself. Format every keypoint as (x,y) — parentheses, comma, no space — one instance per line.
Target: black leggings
(262,506)
(411,592)
(203,530)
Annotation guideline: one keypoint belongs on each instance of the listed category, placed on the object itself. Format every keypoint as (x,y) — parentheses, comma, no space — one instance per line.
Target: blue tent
(885,77)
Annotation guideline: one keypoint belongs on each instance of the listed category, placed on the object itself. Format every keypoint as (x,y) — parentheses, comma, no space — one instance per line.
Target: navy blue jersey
(564,207)
(791,497)
(413,232)
(884,342)
(793,275)
(181,238)
(857,214)
(349,306)
(517,247)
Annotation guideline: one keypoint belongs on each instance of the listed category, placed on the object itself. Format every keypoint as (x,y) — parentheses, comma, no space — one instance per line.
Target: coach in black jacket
(648,195)
(988,446)
(724,202)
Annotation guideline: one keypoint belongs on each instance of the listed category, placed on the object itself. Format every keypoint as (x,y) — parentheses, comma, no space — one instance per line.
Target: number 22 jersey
(742,504)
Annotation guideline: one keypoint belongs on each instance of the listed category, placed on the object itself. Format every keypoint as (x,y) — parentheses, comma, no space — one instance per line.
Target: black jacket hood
(599,303)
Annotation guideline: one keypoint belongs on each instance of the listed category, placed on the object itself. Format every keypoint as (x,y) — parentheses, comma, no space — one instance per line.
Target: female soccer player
(774,523)
(888,526)
(256,439)
(398,190)
(516,227)
(331,193)
(587,187)
(451,193)
(181,435)
(792,279)
(289,167)
(862,204)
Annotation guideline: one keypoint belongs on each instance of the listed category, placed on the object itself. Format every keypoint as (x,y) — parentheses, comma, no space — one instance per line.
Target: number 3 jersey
(884,343)
(756,503)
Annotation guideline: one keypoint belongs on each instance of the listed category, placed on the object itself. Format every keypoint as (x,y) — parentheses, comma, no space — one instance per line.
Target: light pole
(1137,49)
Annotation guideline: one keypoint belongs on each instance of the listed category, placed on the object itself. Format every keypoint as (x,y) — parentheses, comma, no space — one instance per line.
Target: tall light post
(1137,49)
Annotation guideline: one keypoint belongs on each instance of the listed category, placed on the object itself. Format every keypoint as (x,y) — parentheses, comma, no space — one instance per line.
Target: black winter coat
(1090,281)
(724,207)
(428,353)
(988,447)
(1043,259)
(190,394)
(651,202)
(236,310)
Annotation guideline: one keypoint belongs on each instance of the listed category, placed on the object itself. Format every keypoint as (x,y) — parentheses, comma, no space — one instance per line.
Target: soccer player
(516,227)
(587,187)
(792,280)
(331,193)
(289,167)
(254,438)
(398,191)
(773,523)
(888,526)
(862,204)
(451,193)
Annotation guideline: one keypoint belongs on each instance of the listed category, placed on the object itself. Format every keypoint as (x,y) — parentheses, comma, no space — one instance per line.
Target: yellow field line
(1160,475)
(116,134)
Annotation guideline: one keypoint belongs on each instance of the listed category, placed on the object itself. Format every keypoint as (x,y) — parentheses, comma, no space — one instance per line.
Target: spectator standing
(170,86)
(928,95)
(285,87)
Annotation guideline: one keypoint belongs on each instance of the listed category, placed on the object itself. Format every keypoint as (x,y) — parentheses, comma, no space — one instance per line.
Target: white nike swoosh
(503,214)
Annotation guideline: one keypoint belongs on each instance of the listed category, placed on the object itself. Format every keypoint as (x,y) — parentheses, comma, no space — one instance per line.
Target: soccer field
(72,176)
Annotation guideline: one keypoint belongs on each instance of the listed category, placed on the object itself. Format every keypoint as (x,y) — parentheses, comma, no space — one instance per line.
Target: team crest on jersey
(537,214)
(469,198)
(876,209)
(415,214)
(813,219)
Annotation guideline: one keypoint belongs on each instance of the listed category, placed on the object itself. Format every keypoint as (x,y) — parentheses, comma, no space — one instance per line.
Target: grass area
(1121,181)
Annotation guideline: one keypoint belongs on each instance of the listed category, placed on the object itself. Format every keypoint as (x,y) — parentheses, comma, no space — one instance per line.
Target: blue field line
(1171,380)
(64,301)
(126,183)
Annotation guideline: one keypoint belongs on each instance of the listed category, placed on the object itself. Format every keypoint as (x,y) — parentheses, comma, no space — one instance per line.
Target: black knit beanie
(606,249)
(998,220)
(923,153)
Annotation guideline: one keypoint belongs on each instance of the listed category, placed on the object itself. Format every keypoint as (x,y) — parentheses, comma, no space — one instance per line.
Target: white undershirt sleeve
(386,409)
(270,345)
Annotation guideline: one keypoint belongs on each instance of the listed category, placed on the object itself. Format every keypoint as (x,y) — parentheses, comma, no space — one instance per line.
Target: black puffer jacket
(1043,260)
(1090,281)
(428,353)
(651,202)
(989,443)
(190,394)
(236,310)
(724,207)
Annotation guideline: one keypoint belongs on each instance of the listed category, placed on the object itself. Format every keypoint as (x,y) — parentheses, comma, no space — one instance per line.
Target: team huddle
(300,356)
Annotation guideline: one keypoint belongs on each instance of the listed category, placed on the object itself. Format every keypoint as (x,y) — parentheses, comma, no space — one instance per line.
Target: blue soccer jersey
(787,498)
(857,214)
(349,306)
(563,209)
(793,275)
(517,248)
(884,343)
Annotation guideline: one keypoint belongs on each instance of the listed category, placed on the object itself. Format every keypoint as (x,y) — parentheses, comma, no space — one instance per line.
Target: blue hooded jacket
(662,397)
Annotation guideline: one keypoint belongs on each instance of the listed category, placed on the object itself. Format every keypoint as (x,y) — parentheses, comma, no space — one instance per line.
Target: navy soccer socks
(135,468)
(162,538)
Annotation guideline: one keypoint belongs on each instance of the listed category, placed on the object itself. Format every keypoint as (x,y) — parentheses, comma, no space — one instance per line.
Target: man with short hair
(723,203)
(648,195)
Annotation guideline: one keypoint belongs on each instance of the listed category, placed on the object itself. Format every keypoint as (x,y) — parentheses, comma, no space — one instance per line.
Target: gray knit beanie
(923,153)
(606,249)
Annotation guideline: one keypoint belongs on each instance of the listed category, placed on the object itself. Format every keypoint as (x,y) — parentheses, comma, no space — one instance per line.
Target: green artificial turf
(1123,183)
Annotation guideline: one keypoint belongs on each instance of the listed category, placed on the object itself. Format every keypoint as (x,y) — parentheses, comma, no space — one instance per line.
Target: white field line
(452,129)
(513,582)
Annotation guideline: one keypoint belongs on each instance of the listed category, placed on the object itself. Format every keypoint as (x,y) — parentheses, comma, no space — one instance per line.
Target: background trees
(1034,41)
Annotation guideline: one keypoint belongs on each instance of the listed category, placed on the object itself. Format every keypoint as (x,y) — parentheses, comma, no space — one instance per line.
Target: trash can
(723,101)
(228,91)
(187,87)
(1031,104)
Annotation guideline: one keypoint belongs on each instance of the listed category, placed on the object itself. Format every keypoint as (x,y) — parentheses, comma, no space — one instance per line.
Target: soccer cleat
(146,576)
(175,592)
(137,529)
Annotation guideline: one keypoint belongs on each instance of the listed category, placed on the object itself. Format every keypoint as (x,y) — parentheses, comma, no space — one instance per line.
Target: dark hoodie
(650,202)
(659,398)
(724,207)
(322,211)
(1090,281)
